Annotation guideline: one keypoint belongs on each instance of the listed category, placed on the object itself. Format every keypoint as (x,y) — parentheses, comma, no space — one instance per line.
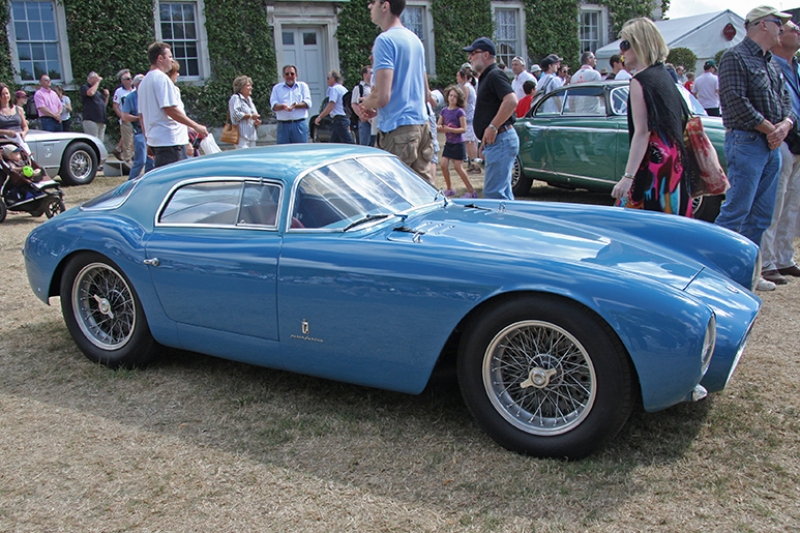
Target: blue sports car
(339,262)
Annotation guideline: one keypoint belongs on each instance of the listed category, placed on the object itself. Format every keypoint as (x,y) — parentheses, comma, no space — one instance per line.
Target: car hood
(523,237)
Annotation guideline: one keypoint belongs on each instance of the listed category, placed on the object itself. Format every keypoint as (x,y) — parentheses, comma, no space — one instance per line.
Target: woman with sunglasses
(657,114)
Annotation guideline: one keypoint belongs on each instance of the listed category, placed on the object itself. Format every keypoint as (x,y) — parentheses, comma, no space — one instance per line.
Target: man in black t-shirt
(94,102)
(493,122)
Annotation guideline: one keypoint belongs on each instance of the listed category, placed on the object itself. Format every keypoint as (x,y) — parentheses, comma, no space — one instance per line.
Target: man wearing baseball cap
(706,89)
(493,122)
(757,114)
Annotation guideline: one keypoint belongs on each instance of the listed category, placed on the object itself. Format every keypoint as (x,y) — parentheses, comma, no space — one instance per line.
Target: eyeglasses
(126,79)
(625,45)
(476,51)
(794,29)
(779,22)
(289,74)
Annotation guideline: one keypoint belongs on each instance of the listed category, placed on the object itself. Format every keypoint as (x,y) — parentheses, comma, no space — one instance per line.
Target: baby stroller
(27,188)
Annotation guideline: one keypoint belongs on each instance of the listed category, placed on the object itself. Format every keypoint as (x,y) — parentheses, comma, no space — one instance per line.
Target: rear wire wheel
(103,313)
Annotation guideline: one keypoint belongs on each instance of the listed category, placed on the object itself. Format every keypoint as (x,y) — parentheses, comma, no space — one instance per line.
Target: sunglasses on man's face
(625,45)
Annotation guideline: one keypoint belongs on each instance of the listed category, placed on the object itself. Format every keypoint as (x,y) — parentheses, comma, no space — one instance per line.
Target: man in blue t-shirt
(130,114)
(335,108)
(401,89)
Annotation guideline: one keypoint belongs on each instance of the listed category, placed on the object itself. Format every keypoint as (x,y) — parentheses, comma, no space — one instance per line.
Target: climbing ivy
(6,70)
(552,28)
(621,11)
(356,34)
(457,23)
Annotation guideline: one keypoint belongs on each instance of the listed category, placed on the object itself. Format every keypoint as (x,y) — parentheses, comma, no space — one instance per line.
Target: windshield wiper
(367,218)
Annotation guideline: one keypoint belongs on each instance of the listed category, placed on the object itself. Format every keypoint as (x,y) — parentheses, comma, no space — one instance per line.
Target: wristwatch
(492,126)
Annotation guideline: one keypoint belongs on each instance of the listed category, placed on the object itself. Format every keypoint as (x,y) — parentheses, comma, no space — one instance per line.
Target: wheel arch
(450,349)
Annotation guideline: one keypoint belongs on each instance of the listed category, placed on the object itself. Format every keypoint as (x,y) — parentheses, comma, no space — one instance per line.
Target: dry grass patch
(194,443)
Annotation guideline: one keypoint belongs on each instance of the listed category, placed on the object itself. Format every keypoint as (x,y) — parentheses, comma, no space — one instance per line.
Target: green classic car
(577,137)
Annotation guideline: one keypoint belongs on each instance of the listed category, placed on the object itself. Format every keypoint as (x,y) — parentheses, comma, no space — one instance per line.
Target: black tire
(510,386)
(707,207)
(103,313)
(54,207)
(78,164)
(3,211)
(520,184)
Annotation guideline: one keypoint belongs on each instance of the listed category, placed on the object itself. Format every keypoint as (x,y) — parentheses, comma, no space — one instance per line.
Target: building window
(592,27)
(179,31)
(182,26)
(36,33)
(509,31)
(417,18)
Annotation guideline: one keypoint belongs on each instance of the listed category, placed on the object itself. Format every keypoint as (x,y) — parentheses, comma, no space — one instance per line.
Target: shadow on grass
(424,449)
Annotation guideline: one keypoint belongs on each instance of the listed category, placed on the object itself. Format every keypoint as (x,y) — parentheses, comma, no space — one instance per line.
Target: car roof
(284,162)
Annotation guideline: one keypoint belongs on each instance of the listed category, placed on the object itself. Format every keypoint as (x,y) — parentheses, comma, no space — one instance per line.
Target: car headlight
(709,341)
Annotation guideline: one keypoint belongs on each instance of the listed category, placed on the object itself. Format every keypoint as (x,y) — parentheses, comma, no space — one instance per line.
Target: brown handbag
(230,133)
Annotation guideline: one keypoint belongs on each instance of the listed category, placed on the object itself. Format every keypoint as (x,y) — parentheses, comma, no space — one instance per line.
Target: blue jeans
(365,134)
(292,132)
(140,159)
(498,160)
(753,171)
(341,130)
(50,124)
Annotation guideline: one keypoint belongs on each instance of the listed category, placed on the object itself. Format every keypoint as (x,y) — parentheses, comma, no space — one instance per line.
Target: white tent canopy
(702,34)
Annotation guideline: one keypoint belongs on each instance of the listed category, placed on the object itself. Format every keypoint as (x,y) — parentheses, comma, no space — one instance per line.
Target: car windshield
(343,194)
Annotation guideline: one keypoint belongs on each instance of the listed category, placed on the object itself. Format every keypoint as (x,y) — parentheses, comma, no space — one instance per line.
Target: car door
(213,255)
(534,153)
(584,141)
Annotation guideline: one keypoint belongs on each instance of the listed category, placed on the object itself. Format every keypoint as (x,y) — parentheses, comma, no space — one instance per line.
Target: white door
(303,47)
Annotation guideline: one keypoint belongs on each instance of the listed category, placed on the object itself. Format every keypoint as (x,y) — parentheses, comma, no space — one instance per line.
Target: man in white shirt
(291,101)
(163,123)
(520,77)
(586,72)
(335,108)
(706,89)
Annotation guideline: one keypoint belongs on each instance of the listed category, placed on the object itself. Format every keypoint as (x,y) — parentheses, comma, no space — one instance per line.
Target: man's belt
(291,121)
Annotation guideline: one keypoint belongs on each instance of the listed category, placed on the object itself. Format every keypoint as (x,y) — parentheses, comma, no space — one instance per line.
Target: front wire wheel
(104,314)
(539,378)
(545,376)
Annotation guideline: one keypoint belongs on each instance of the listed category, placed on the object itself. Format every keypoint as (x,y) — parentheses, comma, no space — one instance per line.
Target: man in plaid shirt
(757,112)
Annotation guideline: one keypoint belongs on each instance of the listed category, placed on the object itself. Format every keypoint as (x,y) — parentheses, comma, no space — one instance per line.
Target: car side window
(581,102)
(260,203)
(551,105)
(223,203)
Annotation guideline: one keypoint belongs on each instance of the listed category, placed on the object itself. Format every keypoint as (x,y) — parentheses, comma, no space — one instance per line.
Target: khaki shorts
(413,145)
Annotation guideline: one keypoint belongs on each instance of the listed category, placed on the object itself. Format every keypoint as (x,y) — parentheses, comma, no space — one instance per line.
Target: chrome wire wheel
(80,165)
(539,378)
(103,306)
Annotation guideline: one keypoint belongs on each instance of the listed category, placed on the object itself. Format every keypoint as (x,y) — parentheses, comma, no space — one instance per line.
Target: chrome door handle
(151,262)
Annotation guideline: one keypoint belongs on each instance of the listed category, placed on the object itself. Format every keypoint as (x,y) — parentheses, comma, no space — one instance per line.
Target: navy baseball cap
(482,43)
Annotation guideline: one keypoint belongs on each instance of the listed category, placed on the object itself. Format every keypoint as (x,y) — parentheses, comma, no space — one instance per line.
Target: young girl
(453,122)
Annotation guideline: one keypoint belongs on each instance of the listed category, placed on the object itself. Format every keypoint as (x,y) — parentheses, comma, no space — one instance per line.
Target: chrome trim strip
(565,175)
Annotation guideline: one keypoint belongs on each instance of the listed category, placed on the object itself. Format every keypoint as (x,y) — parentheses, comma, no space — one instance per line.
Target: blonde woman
(243,112)
(654,177)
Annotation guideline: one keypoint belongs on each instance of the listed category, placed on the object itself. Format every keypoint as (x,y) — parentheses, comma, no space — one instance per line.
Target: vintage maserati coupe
(339,262)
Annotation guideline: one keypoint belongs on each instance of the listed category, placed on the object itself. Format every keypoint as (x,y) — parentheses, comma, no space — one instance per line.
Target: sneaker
(117,153)
(774,276)
(473,194)
(764,285)
(473,170)
(449,193)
